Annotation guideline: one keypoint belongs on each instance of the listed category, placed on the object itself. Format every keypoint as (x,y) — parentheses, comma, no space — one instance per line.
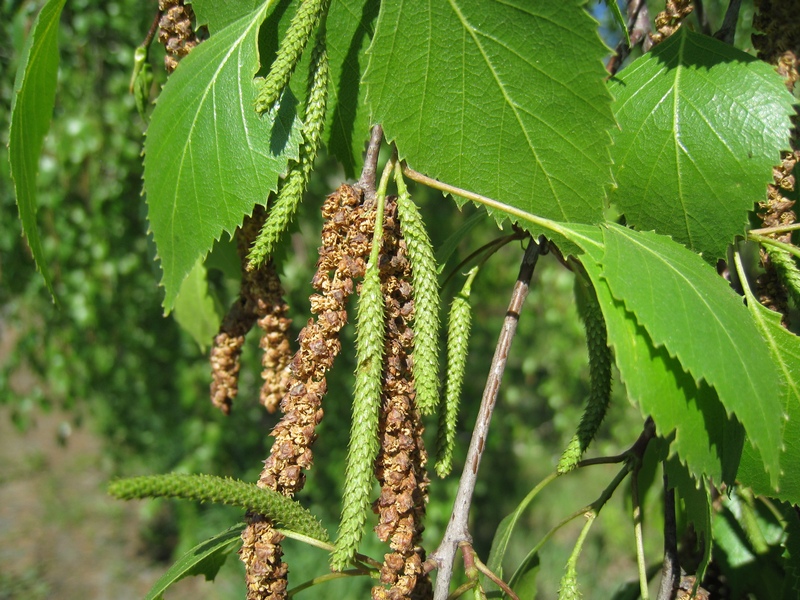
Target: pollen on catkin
(669,20)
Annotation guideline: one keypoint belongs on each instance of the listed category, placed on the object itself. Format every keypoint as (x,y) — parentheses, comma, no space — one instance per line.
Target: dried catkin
(599,376)
(175,31)
(669,20)
(346,237)
(400,466)
(225,353)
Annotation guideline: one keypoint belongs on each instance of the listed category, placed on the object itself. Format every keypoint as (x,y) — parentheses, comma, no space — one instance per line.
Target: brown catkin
(669,20)
(345,247)
(225,353)
(400,466)
(175,31)
(777,39)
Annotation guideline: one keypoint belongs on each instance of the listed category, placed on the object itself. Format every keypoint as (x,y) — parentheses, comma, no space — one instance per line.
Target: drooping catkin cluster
(345,245)
(346,237)
(175,31)
(669,20)
(400,465)
(260,301)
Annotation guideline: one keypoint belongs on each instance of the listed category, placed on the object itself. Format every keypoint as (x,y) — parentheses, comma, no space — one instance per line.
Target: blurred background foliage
(119,367)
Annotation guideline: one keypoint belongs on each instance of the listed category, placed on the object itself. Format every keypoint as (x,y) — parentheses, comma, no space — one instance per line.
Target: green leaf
(350,25)
(218,15)
(195,310)
(685,306)
(505,99)
(701,124)
(204,559)
(784,347)
(704,438)
(208,157)
(31,112)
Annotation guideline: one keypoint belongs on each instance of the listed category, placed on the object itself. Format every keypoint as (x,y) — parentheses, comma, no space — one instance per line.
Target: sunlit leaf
(195,309)
(701,124)
(31,113)
(502,98)
(209,158)
(691,311)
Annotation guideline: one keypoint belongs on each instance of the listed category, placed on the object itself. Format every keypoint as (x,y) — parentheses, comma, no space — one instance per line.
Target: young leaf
(784,347)
(685,306)
(205,167)
(31,112)
(204,559)
(195,310)
(701,124)
(704,438)
(519,112)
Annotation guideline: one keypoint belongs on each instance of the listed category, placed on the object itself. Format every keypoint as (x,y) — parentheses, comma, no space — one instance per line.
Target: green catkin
(366,405)
(426,298)
(219,490)
(787,271)
(599,375)
(291,192)
(291,49)
(568,589)
(457,346)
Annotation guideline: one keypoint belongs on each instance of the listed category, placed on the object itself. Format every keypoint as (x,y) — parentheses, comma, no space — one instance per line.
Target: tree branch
(457,529)
(638,28)
(369,172)
(671,568)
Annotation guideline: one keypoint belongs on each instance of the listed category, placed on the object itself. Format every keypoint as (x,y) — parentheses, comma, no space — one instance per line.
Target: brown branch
(671,568)
(638,28)
(368,173)
(466,548)
(457,529)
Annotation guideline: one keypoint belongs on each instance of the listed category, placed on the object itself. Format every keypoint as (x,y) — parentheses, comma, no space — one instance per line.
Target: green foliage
(701,124)
(196,182)
(195,309)
(232,492)
(550,109)
(31,112)
(204,559)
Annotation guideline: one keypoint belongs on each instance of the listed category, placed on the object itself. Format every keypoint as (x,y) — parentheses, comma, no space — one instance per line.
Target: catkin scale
(457,346)
(599,376)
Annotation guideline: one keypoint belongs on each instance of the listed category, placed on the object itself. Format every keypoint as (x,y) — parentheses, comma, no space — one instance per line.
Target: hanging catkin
(400,465)
(175,31)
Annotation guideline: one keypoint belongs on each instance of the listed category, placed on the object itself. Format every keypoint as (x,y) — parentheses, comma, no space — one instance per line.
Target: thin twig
(457,529)
(493,246)
(603,460)
(462,589)
(637,531)
(702,17)
(369,172)
(727,32)
(671,568)
(776,229)
(467,547)
(327,577)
